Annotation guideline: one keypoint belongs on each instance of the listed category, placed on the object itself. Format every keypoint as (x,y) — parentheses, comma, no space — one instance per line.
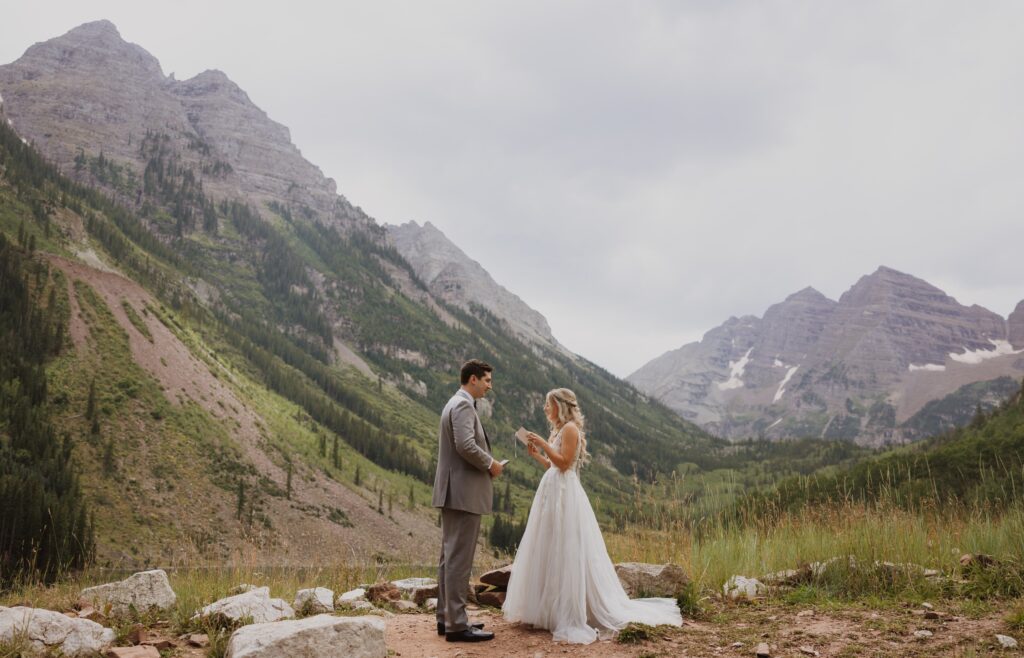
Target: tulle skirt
(562,577)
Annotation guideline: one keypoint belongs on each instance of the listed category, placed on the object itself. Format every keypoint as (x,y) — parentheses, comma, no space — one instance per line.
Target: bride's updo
(568,408)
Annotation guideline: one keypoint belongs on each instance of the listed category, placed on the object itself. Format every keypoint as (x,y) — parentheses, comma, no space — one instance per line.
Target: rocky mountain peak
(809,295)
(461,281)
(211,82)
(853,368)
(886,285)
(1015,326)
(91,46)
(89,91)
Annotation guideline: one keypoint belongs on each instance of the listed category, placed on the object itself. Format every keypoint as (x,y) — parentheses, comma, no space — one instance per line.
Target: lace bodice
(556,443)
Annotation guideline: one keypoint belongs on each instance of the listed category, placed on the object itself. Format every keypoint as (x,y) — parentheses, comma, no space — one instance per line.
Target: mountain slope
(455,278)
(979,466)
(858,368)
(224,295)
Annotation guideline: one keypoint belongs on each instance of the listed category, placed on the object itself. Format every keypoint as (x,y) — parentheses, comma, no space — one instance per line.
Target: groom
(462,489)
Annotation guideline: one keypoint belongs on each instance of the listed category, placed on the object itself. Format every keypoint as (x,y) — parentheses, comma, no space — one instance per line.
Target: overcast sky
(640,171)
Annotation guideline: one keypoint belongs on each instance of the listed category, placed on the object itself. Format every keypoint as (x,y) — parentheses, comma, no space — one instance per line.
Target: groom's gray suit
(463,491)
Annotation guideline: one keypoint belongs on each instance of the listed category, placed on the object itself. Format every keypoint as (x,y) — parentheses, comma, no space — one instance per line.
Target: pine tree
(335,459)
(90,405)
(359,476)
(109,465)
(241,499)
(322,448)
(288,486)
(412,496)
(380,501)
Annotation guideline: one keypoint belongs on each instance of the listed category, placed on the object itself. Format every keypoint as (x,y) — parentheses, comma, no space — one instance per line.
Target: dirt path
(736,631)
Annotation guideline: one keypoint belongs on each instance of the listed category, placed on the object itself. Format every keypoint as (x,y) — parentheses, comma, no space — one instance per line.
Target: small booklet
(503,462)
(521,435)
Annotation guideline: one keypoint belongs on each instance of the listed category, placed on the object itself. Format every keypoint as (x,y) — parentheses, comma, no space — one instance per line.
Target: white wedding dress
(562,578)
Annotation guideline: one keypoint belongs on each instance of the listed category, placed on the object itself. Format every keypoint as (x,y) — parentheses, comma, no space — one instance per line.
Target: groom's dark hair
(475,367)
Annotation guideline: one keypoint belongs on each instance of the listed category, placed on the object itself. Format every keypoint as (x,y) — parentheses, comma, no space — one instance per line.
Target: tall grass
(753,540)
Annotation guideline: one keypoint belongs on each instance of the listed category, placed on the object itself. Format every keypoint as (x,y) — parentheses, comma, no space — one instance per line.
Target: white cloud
(670,164)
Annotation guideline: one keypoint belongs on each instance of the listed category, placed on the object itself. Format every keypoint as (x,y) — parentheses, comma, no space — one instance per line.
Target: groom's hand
(496,468)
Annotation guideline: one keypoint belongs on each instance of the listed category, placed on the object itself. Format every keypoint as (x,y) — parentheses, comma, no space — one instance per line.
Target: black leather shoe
(469,635)
(440,626)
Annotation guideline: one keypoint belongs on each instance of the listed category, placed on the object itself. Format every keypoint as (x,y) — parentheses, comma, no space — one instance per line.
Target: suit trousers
(459,532)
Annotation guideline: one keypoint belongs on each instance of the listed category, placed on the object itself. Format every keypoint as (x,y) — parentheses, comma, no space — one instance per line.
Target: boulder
(430,605)
(498,577)
(383,592)
(351,596)
(255,604)
(409,585)
(324,636)
(314,601)
(648,580)
(789,577)
(362,605)
(492,598)
(403,605)
(48,631)
(975,561)
(741,588)
(420,595)
(142,591)
(1006,642)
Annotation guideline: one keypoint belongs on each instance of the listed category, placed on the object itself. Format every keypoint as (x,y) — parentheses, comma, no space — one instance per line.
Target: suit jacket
(463,478)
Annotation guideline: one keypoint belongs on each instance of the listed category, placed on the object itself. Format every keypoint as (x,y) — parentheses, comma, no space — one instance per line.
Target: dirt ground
(736,631)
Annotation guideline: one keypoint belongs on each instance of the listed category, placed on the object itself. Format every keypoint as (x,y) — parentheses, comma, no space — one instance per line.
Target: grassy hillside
(980,466)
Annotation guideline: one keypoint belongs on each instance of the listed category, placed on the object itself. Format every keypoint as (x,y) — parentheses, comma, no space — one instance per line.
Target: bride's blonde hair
(568,408)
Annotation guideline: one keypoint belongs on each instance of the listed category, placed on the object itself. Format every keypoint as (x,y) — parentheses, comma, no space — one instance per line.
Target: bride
(562,577)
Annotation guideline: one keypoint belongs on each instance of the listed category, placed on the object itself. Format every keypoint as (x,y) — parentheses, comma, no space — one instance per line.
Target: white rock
(316,600)
(50,631)
(362,605)
(430,604)
(741,587)
(324,636)
(358,594)
(256,604)
(404,606)
(1006,641)
(142,591)
(408,585)
(923,634)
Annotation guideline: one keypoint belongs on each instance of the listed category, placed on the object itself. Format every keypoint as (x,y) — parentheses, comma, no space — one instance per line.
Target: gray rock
(324,636)
(255,604)
(923,635)
(142,591)
(50,631)
(351,596)
(1006,641)
(315,600)
(652,580)
(741,588)
(409,585)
